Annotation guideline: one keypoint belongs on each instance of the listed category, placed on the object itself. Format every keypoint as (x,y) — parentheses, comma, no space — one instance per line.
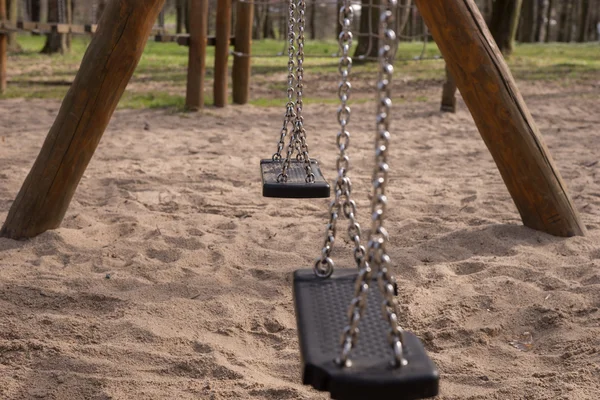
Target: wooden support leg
(3,49)
(501,115)
(194,99)
(449,94)
(222,52)
(107,66)
(243,47)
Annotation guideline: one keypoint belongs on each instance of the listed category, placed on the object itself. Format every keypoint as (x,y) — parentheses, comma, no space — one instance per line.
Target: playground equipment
(501,115)
(481,75)
(286,177)
(197,40)
(376,358)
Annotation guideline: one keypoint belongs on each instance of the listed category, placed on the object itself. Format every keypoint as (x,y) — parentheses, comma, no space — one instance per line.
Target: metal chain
(343,202)
(376,252)
(290,112)
(298,139)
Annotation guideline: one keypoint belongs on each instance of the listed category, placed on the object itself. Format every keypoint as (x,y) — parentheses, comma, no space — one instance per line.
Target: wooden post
(3,49)
(222,52)
(13,17)
(449,94)
(107,66)
(198,12)
(501,115)
(243,48)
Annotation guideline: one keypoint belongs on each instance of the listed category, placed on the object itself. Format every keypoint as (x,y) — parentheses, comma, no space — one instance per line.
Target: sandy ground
(170,276)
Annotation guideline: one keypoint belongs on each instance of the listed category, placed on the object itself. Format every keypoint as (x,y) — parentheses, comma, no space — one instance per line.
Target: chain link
(376,248)
(298,139)
(343,202)
(377,254)
(290,113)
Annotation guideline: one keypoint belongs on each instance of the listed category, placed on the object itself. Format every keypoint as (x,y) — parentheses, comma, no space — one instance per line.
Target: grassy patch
(159,80)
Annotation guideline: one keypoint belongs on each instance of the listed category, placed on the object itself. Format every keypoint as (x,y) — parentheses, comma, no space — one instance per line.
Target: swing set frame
(480,72)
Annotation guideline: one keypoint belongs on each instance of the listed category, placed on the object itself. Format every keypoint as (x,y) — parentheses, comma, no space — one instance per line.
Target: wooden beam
(194,99)
(107,66)
(3,49)
(183,39)
(501,115)
(222,52)
(8,26)
(449,93)
(243,49)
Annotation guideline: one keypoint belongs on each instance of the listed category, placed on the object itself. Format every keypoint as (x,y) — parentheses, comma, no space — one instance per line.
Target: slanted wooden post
(107,66)
(449,94)
(243,48)
(3,49)
(501,115)
(198,12)
(222,52)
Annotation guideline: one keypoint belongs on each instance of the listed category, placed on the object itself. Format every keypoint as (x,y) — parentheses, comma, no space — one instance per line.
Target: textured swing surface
(296,186)
(321,315)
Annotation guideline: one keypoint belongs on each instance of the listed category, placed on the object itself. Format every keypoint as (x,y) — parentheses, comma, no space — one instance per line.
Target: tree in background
(527,25)
(13,10)
(55,42)
(181,7)
(368,43)
(504,23)
(368,39)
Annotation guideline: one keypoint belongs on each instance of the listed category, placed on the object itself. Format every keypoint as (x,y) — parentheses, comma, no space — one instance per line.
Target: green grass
(159,80)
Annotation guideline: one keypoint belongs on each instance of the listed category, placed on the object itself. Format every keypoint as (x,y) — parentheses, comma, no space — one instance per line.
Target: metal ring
(325,272)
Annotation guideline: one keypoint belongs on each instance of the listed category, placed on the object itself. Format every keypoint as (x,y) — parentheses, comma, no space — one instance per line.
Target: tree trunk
(43,10)
(312,20)
(69,37)
(540,13)
(563,27)
(55,42)
(368,43)
(107,66)
(404,8)
(528,21)
(181,11)
(549,21)
(571,21)
(504,23)
(268,32)
(34,10)
(257,26)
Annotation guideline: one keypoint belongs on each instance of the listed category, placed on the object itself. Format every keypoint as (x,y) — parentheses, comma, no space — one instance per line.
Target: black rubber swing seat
(321,315)
(296,187)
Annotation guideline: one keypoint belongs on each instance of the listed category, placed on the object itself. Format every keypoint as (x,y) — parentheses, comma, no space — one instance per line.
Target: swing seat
(321,315)
(296,187)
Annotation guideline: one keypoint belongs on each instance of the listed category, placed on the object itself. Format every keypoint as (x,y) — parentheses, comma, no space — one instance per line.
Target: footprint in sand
(468,268)
(184,243)
(164,255)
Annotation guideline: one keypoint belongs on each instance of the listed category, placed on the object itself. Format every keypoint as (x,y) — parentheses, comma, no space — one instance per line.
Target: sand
(170,276)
